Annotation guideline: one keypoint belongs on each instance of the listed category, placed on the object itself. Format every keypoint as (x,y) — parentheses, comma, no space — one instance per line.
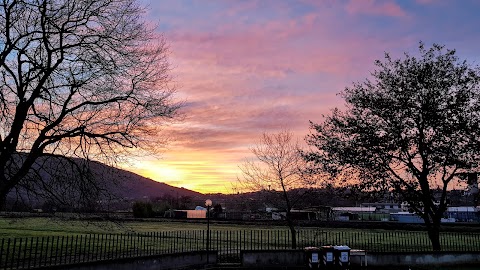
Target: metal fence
(35,252)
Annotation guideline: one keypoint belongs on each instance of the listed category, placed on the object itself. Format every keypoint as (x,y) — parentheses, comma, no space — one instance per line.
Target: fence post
(7,253)
(25,252)
(51,251)
(19,252)
(29,256)
(1,252)
(12,261)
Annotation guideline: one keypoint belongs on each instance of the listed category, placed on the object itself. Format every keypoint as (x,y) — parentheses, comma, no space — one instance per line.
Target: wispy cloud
(251,66)
(375,7)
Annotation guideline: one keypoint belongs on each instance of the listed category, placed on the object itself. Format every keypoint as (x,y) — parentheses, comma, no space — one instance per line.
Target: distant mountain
(81,184)
(132,186)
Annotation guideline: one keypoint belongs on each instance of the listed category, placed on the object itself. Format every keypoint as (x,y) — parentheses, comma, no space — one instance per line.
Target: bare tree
(277,170)
(412,129)
(78,78)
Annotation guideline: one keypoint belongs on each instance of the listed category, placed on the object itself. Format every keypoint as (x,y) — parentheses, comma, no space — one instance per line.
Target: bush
(142,210)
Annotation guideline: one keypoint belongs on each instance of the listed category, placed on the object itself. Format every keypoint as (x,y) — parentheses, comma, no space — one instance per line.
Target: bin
(327,256)
(312,255)
(342,256)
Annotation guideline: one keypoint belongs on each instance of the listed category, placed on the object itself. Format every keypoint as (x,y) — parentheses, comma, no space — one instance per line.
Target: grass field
(31,227)
(56,241)
(264,235)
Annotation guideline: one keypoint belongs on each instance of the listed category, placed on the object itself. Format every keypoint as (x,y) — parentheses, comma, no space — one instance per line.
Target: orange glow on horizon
(197,172)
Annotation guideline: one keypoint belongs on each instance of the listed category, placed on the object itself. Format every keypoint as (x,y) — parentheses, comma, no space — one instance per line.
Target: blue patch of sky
(173,14)
(450,23)
(449,20)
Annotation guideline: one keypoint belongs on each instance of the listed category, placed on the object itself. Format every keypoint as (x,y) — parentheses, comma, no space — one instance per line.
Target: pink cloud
(375,7)
(242,74)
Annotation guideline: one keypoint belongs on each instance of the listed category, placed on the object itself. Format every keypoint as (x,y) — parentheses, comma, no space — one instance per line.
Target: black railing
(35,252)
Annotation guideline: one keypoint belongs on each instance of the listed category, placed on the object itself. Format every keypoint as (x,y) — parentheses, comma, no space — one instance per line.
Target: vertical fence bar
(108,245)
(237,241)
(88,246)
(95,247)
(107,250)
(117,246)
(148,243)
(154,243)
(190,241)
(103,243)
(12,260)
(98,247)
(52,247)
(36,249)
(124,249)
(171,238)
(162,245)
(1,253)
(41,252)
(144,244)
(79,254)
(132,244)
(126,245)
(175,241)
(29,256)
(70,250)
(19,252)
(7,253)
(88,241)
(472,241)
(129,244)
(475,241)
(60,252)
(25,252)
(139,244)
(122,245)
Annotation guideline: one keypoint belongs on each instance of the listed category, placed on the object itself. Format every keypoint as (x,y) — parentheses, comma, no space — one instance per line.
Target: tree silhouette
(78,78)
(411,129)
(277,171)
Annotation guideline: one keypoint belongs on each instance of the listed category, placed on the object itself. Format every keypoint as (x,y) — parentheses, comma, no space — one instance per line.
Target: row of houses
(400,213)
(365,212)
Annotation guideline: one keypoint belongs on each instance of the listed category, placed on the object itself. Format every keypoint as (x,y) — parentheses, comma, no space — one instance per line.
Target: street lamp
(208,204)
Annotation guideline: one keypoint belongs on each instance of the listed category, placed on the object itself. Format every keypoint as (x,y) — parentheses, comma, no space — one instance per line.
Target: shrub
(142,210)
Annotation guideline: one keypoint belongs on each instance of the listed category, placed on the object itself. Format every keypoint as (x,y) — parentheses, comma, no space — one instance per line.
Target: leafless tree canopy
(277,165)
(78,78)
(278,168)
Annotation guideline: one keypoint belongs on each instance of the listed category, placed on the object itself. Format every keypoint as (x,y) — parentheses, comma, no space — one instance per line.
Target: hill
(60,183)
(132,186)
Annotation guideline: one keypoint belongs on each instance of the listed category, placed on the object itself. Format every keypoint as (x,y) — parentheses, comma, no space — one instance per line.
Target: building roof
(354,209)
(462,209)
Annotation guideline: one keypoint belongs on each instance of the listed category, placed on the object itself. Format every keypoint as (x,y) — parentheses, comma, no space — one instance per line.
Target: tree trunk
(434,235)
(3,200)
(292,231)
(3,195)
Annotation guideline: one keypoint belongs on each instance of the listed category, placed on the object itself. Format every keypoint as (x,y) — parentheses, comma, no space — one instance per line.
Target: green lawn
(253,236)
(52,241)
(28,227)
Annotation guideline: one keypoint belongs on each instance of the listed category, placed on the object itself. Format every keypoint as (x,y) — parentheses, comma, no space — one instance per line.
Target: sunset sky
(247,67)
